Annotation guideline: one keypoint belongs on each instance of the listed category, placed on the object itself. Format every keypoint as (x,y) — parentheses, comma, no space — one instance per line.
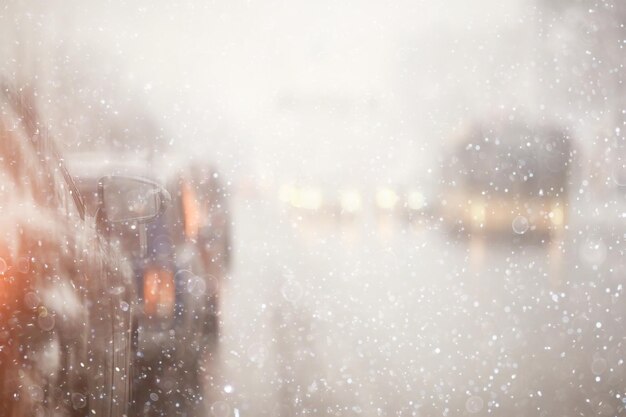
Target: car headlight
(350,201)
(305,198)
(415,200)
(386,198)
(287,193)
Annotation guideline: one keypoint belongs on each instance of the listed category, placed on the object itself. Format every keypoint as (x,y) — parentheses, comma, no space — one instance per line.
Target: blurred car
(66,296)
(302,198)
(329,204)
(213,235)
(506,178)
(179,261)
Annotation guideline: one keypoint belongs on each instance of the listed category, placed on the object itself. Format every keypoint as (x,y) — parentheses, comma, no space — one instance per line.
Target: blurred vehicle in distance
(329,204)
(505,178)
(302,198)
(66,296)
(213,223)
(179,261)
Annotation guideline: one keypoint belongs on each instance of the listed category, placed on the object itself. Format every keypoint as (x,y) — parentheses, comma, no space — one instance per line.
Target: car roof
(95,165)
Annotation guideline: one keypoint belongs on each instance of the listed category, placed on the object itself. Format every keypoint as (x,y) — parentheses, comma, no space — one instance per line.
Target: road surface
(374,318)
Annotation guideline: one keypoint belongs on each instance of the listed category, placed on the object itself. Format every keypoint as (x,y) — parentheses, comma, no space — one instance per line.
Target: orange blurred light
(191,211)
(158,292)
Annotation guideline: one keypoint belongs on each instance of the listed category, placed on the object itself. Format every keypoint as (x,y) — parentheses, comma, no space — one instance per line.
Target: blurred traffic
(235,209)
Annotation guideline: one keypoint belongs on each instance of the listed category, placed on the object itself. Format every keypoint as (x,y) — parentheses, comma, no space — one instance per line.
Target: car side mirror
(131,199)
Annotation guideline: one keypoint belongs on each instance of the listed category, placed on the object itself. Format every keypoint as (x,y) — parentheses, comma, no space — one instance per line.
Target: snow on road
(371,320)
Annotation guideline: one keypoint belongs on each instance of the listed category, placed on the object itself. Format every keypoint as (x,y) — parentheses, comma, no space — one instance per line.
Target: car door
(110,298)
(65,315)
(43,319)
(122,301)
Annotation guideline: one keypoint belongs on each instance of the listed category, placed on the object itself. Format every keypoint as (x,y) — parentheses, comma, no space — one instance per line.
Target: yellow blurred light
(158,292)
(386,198)
(557,216)
(306,198)
(477,211)
(416,200)
(350,201)
(191,210)
(286,192)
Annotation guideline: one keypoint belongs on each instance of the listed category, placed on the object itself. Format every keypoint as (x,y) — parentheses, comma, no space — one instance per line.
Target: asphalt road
(374,318)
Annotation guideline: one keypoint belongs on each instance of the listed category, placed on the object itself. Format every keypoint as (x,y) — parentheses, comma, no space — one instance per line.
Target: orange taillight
(191,211)
(158,292)
(12,283)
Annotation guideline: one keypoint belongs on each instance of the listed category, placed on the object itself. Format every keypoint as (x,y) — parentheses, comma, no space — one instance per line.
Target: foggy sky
(349,92)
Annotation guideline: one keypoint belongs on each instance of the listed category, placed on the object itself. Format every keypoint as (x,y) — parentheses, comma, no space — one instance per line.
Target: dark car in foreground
(66,294)
(179,262)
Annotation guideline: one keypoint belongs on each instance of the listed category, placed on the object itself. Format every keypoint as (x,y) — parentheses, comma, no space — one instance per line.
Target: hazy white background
(367,91)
